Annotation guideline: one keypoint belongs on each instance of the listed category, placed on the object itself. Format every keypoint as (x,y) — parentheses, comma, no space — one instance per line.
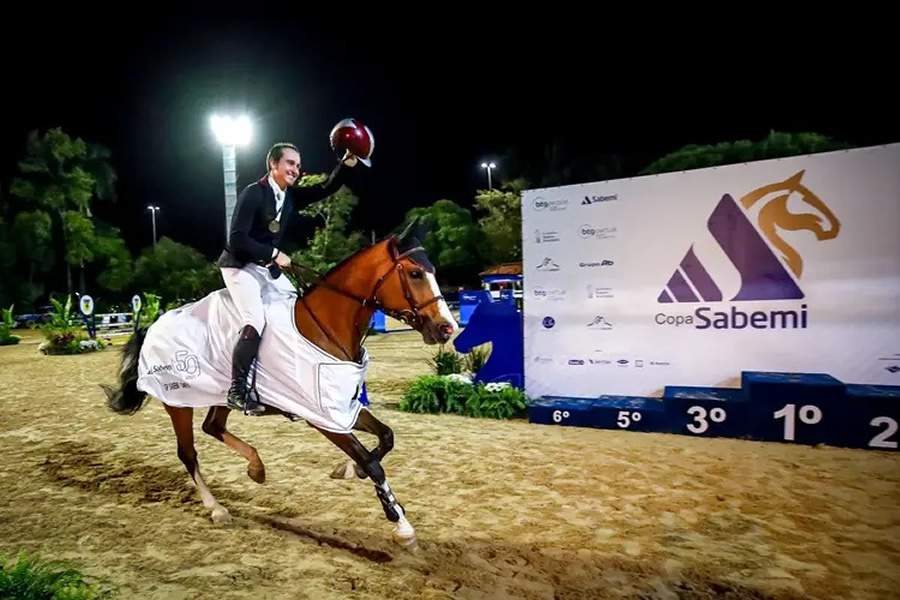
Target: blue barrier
(607,412)
(803,408)
(469,301)
(799,408)
(706,411)
(501,324)
(378,322)
(551,410)
(364,396)
(872,414)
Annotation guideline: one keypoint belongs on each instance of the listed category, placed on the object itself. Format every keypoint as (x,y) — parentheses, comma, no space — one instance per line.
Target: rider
(265,218)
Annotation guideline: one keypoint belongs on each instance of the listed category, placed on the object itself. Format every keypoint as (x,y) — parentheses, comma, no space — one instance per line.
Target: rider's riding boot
(239,397)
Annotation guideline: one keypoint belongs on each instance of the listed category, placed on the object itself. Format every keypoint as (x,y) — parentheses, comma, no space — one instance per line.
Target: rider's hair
(277,151)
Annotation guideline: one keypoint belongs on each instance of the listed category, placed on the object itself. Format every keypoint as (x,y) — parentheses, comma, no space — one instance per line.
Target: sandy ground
(502,509)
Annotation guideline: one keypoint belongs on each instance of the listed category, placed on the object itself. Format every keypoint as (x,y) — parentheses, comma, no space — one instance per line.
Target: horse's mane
(323,276)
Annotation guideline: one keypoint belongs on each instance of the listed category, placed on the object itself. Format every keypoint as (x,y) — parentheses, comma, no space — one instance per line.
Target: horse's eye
(417,274)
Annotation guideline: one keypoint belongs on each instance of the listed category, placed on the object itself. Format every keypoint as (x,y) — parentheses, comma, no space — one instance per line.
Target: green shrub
(7,323)
(150,310)
(30,578)
(496,402)
(454,394)
(64,337)
(446,362)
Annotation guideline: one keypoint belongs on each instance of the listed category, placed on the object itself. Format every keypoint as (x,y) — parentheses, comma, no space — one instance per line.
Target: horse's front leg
(404,533)
(367,422)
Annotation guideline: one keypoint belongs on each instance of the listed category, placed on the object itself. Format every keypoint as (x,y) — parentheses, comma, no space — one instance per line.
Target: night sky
(441,94)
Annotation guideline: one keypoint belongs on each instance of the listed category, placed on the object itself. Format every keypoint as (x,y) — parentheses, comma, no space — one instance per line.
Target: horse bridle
(410,316)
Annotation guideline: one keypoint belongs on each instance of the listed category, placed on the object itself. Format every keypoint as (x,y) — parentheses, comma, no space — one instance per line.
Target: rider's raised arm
(304,196)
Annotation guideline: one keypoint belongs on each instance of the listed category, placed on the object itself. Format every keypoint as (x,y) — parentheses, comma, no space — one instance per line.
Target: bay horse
(394,276)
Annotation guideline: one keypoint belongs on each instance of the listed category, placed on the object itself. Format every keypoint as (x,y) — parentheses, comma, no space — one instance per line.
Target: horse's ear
(422,229)
(392,242)
(408,230)
(413,234)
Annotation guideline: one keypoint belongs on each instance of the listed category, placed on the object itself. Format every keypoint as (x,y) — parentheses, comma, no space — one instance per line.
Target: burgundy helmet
(352,135)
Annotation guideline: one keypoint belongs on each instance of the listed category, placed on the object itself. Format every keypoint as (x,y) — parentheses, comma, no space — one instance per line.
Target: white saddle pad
(186,361)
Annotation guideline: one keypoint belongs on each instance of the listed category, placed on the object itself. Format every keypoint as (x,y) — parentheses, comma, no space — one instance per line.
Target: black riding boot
(239,397)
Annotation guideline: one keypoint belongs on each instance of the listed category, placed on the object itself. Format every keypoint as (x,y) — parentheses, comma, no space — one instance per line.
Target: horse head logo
(774,215)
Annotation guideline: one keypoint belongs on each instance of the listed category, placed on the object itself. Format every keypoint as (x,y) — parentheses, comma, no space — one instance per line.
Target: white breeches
(247,287)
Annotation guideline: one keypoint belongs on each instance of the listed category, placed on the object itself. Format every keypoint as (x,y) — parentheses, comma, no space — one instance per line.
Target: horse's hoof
(343,471)
(408,543)
(257,472)
(221,516)
(405,534)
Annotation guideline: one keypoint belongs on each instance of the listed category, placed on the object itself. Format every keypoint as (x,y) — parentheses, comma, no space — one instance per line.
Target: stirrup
(235,398)
(252,406)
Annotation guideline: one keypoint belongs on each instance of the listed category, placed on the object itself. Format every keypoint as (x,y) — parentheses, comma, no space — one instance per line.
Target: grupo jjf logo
(769,267)
(595,263)
(553,205)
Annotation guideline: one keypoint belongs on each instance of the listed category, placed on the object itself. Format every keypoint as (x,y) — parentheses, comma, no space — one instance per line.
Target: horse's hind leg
(404,533)
(368,423)
(182,421)
(214,425)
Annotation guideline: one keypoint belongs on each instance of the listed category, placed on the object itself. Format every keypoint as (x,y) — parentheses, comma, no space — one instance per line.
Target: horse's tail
(127,399)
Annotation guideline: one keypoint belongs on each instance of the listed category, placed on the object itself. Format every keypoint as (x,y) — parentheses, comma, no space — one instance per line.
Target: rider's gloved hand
(349,159)
(282,260)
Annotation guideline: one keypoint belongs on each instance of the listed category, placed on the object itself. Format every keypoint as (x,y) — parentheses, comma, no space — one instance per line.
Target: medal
(274,226)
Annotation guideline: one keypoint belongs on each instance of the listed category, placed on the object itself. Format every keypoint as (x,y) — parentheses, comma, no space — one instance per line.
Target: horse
(333,315)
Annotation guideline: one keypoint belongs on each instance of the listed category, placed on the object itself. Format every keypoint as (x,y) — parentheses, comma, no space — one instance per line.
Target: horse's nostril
(446,329)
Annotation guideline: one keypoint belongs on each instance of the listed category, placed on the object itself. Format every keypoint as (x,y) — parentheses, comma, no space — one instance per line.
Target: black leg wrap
(386,442)
(373,469)
(385,494)
(389,502)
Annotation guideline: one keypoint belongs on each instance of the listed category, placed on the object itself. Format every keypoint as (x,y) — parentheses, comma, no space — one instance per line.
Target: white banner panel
(689,278)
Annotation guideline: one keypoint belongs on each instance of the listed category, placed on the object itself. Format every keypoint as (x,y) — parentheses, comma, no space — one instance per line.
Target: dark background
(441,93)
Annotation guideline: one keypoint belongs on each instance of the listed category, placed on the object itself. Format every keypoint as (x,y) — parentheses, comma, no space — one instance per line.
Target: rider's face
(287,170)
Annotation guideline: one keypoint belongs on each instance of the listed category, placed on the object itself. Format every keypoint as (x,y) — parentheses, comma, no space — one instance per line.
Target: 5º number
(625,418)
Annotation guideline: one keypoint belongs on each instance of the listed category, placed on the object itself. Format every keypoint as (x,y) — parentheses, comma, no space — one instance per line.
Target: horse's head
(781,192)
(775,214)
(408,290)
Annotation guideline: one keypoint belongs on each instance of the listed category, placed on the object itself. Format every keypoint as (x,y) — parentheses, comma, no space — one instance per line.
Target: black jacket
(250,239)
